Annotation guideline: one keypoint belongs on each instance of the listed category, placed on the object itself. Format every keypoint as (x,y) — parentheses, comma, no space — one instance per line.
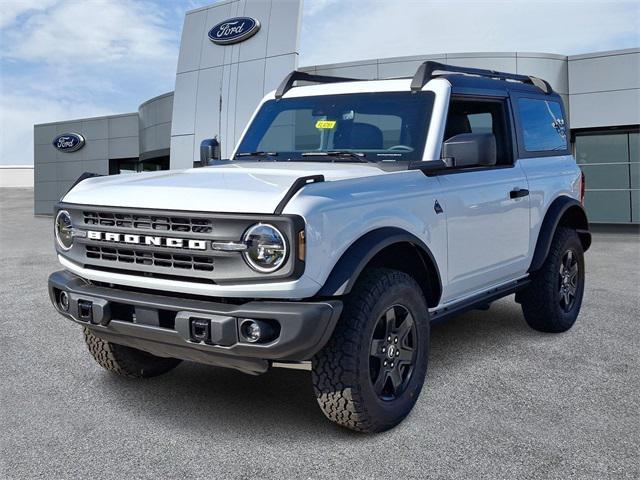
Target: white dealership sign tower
(223,83)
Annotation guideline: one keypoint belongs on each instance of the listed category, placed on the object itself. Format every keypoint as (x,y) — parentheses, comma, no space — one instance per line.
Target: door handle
(518,193)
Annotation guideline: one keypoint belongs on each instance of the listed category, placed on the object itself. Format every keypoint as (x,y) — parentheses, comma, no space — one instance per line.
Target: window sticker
(325,124)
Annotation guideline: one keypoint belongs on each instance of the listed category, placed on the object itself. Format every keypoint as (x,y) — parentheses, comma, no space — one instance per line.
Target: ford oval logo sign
(69,142)
(234,30)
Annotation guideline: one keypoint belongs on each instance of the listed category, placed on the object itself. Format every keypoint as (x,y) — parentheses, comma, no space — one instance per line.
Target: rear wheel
(127,361)
(552,301)
(368,377)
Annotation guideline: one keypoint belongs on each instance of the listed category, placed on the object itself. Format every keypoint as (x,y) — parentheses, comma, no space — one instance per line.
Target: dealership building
(233,52)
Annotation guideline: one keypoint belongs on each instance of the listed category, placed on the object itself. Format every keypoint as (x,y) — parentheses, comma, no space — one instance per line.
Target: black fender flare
(561,208)
(354,260)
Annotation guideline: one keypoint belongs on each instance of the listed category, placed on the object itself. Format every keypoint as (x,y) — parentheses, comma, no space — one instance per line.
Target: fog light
(258,331)
(64,301)
(251,331)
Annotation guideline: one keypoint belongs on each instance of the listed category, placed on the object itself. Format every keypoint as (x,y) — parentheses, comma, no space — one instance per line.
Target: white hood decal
(240,187)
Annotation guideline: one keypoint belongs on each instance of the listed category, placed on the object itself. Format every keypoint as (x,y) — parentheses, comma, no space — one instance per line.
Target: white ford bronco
(350,215)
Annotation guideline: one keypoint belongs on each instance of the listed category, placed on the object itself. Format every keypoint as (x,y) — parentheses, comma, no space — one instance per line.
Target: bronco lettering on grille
(148,240)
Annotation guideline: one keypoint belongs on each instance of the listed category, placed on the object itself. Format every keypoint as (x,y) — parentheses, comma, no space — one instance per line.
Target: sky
(65,59)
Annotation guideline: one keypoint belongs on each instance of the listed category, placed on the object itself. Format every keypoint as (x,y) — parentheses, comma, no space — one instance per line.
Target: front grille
(150,258)
(148,222)
(122,252)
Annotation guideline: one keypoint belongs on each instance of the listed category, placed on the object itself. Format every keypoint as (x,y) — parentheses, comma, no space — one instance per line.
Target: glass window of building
(611,166)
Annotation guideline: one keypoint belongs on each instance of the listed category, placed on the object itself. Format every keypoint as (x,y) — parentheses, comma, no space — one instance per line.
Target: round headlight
(266,248)
(64,230)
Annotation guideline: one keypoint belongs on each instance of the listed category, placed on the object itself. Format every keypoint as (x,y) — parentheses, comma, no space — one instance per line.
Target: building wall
(605,114)
(155,126)
(106,138)
(610,161)
(218,87)
(605,89)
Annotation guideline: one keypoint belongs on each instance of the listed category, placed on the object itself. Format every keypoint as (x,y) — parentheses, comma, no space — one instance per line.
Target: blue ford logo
(68,142)
(234,30)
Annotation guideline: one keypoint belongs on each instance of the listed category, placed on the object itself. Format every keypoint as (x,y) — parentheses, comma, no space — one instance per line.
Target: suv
(351,215)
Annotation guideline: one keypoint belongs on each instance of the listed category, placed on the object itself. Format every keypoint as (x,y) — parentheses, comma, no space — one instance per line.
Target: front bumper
(164,325)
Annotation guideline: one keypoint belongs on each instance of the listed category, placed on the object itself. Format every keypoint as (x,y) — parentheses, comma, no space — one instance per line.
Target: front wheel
(369,375)
(552,300)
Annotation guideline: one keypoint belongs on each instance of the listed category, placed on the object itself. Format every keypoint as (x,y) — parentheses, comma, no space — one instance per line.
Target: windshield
(389,126)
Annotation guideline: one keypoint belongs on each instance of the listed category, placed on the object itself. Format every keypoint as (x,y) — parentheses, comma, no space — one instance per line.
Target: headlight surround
(266,248)
(64,230)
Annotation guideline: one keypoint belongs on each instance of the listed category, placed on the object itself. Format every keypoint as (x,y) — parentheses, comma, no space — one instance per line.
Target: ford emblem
(234,30)
(69,142)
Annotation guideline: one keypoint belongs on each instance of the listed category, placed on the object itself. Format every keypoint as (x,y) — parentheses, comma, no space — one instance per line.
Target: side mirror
(471,149)
(209,151)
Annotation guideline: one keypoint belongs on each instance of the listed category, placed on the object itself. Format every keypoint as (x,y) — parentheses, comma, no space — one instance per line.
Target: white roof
(365,86)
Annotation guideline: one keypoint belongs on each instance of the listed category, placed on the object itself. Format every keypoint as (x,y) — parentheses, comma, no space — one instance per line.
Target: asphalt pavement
(501,400)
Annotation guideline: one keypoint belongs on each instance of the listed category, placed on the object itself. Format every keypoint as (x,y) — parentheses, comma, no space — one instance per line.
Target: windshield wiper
(361,157)
(256,154)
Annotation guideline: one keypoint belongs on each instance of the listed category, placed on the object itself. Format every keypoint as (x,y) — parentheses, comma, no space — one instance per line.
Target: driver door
(487,225)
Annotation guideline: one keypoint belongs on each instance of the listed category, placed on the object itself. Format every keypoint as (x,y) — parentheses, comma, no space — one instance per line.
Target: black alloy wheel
(568,280)
(392,352)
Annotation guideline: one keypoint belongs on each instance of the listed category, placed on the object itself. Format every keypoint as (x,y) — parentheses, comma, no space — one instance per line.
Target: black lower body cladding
(196,330)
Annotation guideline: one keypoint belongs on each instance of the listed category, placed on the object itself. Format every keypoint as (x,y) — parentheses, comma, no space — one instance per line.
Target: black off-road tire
(342,370)
(127,361)
(543,304)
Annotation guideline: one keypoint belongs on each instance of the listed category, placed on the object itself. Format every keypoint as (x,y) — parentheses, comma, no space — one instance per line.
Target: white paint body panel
(339,213)
(242,187)
(301,288)
(488,231)
(549,178)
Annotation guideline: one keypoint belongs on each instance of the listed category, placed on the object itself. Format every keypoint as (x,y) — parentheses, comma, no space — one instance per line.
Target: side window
(481,123)
(480,116)
(543,126)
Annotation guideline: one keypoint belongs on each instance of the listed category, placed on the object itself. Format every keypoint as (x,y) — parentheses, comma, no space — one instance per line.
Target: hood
(241,187)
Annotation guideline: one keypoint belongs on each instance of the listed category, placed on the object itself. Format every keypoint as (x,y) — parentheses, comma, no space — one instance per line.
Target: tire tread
(540,311)
(126,361)
(335,368)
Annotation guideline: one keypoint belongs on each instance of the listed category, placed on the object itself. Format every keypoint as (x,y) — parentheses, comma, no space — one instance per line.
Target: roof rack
(296,75)
(427,70)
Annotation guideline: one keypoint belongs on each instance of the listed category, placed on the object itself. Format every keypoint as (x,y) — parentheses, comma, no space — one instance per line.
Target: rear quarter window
(543,125)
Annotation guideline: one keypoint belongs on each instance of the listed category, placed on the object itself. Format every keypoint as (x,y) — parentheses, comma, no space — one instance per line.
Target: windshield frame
(400,157)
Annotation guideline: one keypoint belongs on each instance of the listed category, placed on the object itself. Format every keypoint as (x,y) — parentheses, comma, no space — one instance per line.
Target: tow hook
(200,330)
(85,310)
